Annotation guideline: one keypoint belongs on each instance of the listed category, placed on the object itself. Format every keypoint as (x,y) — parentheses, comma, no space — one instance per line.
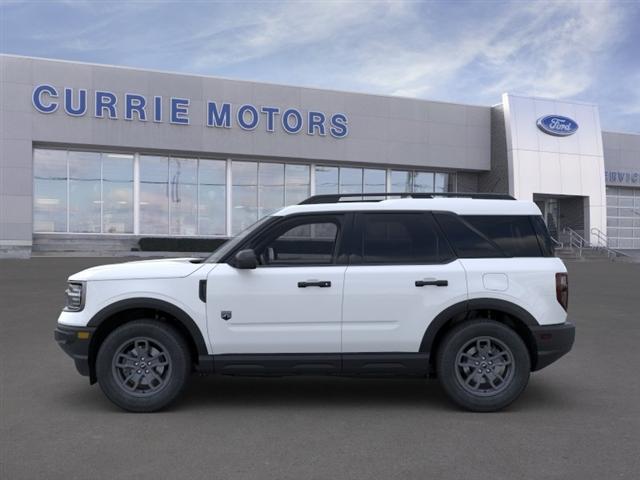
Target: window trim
(357,238)
(343,221)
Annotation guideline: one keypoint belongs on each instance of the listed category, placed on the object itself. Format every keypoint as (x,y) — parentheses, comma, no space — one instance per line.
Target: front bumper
(75,343)
(552,342)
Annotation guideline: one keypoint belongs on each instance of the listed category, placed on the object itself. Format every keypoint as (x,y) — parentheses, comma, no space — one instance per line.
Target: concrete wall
(546,164)
(383,130)
(622,158)
(496,180)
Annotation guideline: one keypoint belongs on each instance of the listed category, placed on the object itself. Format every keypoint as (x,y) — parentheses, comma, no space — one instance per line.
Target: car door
(292,301)
(402,274)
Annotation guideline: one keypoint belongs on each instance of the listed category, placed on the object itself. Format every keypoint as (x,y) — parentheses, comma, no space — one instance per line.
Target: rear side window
(544,237)
(513,234)
(466,240)
(402,238)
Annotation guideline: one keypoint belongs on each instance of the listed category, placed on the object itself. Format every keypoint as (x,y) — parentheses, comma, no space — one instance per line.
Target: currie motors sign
(557,125)
(130,106)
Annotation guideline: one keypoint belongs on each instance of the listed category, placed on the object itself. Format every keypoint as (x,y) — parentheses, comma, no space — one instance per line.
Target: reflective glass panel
(423,182)
(350,180)
(441,182)
(49,190)
(117,193)
(85,203)
(212,196)
(326,179)
(154,194)
(183,196)
(244,194)
(375,181)
(296,184)
(271,184)
(401,181)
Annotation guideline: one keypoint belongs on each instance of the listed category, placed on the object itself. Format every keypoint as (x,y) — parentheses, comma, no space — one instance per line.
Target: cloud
(465,51)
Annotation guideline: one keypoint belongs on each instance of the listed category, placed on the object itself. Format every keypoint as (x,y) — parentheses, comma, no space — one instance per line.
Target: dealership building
(101,157)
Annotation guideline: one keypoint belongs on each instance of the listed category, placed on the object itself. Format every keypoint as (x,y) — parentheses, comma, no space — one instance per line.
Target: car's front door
(401,276)
(292,302)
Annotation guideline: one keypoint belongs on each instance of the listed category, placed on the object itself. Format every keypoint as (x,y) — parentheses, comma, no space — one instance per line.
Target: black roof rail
(378,197)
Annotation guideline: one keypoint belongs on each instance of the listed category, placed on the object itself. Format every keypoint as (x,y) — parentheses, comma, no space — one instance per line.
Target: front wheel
(143,365)
(483,365)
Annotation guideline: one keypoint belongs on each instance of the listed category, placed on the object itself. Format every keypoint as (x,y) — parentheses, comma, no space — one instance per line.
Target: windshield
(230,244)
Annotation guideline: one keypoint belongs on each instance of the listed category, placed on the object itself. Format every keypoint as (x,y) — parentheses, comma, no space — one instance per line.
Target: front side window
(301,242)
(402,238)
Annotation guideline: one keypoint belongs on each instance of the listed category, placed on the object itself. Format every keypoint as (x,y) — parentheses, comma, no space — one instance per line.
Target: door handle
(437,283)
(315,283)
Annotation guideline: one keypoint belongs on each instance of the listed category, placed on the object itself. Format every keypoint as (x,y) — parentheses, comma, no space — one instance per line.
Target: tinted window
(402,238)
(465,240)
(513,234)
(544,238)
(302,242)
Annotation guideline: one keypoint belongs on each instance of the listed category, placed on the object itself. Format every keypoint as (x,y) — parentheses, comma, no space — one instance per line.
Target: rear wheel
(143,365)
(483,365)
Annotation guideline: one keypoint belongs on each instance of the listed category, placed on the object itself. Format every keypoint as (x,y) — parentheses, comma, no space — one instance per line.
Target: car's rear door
(401,275)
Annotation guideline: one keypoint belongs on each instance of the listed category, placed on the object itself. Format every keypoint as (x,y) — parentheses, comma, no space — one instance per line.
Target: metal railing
(601,243)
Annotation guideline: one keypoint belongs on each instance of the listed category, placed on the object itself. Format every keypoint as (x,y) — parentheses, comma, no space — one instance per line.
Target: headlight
(75,296)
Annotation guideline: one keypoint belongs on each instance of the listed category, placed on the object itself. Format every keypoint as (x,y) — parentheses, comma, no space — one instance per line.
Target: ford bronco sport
(464,288)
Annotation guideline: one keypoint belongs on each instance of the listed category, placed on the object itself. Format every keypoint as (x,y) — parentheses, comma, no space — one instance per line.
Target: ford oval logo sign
(557,125)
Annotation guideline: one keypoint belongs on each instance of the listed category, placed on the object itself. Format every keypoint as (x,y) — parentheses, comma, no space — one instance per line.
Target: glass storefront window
(296,183)
(212,195)
(49,190)
(441,182)
(93,192)
(401,181)
(271,188)
(117,193)
(85,197)
(423,182)
(154,195)
(326,179)
(374,181)
(183,196)
(350,180)
(244,193)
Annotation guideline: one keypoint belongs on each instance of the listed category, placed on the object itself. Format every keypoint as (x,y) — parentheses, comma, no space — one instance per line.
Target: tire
(143,365)
(483,365)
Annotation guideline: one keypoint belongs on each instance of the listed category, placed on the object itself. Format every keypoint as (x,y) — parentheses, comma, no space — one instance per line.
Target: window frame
(275,228)
(357,238)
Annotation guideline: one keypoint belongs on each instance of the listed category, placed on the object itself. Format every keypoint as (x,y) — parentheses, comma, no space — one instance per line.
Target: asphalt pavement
(578,418)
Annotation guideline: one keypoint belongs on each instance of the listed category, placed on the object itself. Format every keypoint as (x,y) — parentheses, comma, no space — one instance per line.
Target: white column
(136,194)
(229,179)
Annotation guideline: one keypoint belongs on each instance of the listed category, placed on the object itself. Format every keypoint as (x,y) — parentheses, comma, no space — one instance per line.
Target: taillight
(562,289)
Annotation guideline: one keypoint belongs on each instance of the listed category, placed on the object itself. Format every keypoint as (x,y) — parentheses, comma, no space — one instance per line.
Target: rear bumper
(75,345)
(552,342)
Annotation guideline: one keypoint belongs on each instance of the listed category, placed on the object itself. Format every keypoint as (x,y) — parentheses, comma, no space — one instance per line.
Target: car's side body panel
(265,311)
(529,283)
(384,310)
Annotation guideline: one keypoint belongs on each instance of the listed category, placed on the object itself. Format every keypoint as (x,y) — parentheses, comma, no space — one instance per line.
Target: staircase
(570,245)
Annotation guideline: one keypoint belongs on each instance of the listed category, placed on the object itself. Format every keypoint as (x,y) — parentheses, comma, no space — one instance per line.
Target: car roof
(461,206)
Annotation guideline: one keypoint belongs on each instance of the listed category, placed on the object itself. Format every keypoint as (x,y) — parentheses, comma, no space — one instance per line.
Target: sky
(458,51)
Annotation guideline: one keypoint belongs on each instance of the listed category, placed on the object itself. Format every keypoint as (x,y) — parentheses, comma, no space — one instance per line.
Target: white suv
(464,288)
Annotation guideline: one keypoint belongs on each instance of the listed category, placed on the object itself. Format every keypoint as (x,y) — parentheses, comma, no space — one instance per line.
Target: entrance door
(551,215)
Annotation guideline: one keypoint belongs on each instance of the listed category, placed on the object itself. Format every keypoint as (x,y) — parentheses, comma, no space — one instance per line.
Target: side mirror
(245,259)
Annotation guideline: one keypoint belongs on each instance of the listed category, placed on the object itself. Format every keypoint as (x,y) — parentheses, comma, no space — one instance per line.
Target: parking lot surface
(578,418)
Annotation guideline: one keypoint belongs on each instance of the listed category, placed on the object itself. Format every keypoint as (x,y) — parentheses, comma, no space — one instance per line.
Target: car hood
(163,268)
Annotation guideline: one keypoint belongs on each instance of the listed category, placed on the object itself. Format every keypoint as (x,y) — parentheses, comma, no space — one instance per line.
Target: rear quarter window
(515,235)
